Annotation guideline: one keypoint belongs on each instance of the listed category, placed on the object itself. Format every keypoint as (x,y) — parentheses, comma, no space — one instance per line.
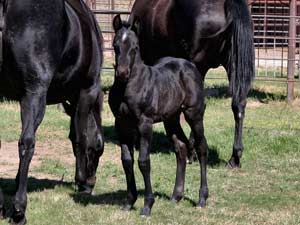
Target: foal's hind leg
(194,117)
(2,210)
(191,153)
(176,134)
(126,133)
(32,112)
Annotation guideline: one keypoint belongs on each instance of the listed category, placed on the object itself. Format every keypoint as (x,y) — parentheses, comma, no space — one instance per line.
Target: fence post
(291,51)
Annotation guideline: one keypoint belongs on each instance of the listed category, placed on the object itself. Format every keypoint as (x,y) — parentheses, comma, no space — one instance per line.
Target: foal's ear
(117,23)
(136,26)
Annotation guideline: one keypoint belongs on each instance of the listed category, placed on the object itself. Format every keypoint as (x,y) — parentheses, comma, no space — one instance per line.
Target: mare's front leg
(33,107)
(126,132)
(176,134)
(2,210)
(86,137)
(145,134)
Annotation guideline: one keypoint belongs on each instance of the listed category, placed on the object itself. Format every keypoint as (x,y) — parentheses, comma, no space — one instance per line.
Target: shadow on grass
(221,91)
(214,159)
(112,198)
(162,144)
(116,198)
(8,187)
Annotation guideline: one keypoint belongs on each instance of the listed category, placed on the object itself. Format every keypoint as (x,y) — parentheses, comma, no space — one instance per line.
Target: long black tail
(242,63)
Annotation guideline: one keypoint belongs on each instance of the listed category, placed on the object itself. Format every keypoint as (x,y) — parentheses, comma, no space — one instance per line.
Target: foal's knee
(144,164)
(180,147)
(26,145)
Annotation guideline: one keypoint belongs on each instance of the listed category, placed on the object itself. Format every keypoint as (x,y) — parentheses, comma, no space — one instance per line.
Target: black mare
(52,53)
(209,33)
(142,95)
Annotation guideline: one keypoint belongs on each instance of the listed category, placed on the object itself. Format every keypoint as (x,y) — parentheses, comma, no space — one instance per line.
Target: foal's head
(126,46)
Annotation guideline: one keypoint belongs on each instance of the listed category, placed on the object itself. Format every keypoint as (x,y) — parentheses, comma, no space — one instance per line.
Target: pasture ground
(265,191)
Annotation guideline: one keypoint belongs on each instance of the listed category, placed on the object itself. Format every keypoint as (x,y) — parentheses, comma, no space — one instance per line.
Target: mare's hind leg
(2,210)
(176,134)
(33,107)
(194,117)
(238,109)
(126,132)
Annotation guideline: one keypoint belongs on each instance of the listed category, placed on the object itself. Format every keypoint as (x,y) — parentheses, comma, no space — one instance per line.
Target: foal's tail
(241,58)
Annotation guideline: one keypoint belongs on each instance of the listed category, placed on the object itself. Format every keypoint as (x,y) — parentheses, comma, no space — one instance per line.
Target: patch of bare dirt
(111,155)
(296,103)
(254,104)
(58,150)
(9,156)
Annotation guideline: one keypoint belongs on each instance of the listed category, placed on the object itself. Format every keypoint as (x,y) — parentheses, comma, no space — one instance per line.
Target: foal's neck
(138,65)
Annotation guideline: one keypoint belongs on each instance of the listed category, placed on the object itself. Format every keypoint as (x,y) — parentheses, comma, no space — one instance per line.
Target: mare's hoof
(146,211)
(127,207)
(17,218)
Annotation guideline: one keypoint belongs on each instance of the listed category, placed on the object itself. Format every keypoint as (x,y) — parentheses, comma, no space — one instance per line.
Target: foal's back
(167,87)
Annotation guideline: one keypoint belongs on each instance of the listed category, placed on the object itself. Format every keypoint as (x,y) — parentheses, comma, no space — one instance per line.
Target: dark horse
(52,53)
(209,33)
(142,95)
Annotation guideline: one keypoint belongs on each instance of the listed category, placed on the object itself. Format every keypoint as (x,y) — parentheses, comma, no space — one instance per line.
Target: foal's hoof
(201,204)
(176,199)
(85,189)
(189,161)
(146,211)
(127,207)
(234,164)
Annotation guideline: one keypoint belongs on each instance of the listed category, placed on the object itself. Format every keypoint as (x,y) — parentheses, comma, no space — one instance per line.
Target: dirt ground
(56,150)
(9,157)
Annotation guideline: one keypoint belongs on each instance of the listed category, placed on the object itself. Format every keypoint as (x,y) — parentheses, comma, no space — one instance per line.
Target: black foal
(142,95)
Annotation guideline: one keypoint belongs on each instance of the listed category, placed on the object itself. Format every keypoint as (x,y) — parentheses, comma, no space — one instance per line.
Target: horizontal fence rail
(271,38)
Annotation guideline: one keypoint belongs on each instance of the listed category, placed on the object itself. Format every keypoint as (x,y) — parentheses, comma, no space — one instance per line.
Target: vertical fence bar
(291,51)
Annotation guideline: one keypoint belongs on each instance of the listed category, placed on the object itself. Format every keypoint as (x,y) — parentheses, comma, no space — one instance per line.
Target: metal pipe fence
(272,37)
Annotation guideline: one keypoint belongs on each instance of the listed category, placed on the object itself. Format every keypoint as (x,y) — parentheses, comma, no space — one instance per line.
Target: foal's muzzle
(122,73)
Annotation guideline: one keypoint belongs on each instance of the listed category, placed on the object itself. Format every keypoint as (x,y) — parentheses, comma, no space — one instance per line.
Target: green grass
(266,190)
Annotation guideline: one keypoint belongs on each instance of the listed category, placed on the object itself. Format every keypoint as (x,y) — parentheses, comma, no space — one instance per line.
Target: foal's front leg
(126,135)
(32,112)
(145,132)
